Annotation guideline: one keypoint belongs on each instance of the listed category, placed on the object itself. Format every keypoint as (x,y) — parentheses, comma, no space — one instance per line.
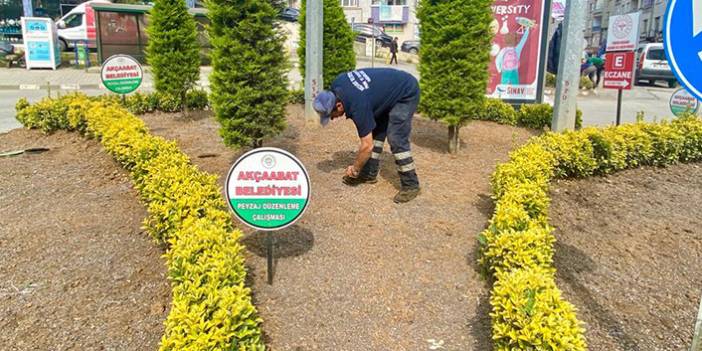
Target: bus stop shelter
(121,29)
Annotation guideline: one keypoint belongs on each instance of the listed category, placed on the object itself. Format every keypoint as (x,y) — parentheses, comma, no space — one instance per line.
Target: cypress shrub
(338,55)
(173,51)
(248,81)
(456,40)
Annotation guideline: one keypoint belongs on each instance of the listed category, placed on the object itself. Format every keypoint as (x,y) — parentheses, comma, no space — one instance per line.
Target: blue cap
(324,104)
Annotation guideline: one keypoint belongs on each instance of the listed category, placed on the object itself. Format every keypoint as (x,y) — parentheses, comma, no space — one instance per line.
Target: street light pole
(313,56)
(569,66)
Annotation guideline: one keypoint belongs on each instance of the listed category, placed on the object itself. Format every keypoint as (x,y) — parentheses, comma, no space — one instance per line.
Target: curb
(77,87)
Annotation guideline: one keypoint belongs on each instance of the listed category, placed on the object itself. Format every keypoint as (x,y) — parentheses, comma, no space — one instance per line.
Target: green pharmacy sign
(268,189)
(121,74)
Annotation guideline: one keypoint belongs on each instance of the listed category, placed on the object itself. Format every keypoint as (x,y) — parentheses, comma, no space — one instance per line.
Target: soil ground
(630,256)
(359,272)
(76,271)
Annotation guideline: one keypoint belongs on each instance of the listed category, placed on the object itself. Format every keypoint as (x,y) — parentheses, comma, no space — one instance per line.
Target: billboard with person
(518,49)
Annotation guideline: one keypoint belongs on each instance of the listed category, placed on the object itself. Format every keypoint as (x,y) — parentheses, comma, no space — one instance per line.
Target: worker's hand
(351,171)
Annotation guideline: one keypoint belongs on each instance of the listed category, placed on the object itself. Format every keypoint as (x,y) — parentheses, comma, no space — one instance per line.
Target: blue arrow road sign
(683,43)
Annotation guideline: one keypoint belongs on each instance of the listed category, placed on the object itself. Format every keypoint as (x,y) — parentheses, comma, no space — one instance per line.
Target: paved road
(599,109)
(8,99)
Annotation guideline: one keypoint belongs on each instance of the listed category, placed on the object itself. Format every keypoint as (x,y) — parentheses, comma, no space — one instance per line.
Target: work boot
(359,180)
(405,195)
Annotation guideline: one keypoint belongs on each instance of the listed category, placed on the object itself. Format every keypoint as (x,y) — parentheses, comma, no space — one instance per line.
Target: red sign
(516,49)
(619,70)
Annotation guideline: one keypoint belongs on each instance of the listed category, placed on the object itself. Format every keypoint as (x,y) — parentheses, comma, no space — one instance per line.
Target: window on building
(394,29)
(658,24)
(390,2)
(349,3)
(645,27)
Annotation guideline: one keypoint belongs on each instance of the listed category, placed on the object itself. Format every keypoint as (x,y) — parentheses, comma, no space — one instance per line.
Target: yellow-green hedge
(211,307)
(528,312)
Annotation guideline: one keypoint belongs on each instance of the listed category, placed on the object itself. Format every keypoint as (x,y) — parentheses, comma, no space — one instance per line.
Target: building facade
(650,25)
(397,17)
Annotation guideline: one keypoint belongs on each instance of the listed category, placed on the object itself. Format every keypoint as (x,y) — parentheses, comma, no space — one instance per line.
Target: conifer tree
(456,40)
(173,50)
(248,81)
(338,55)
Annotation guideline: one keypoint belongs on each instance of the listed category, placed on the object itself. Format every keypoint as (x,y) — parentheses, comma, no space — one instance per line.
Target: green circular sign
(683,102)
(121,74)
(268,188)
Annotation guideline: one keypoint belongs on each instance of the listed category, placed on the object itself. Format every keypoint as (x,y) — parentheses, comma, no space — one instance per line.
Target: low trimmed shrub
(550,80)
(498,111)
(535,116)
(586,83)
(528,312)
(211,307)
(296,97)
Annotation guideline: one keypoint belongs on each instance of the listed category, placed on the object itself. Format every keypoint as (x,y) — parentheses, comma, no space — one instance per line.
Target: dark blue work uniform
(382,101)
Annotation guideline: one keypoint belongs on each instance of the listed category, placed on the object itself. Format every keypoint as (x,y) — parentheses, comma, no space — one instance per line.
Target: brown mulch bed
(76,271)
(629,255)
(359,272)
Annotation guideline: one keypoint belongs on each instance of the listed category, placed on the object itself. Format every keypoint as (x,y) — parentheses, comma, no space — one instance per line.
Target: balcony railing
(390,14)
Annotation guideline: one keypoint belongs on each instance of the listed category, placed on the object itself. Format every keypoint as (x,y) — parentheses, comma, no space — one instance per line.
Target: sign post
(268,189)
(619,74)
(370,21)
(622,39)
(121,74)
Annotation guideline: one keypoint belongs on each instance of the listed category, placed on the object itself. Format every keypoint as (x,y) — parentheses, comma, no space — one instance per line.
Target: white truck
(78,25)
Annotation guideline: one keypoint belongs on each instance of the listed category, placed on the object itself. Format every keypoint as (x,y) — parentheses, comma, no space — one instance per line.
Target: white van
(651,65)
(78,24)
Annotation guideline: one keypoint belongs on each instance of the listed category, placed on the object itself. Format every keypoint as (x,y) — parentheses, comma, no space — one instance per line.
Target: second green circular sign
(121,74)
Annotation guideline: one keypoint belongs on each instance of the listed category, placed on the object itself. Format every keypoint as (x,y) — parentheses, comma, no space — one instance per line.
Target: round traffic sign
(682,39)
(683,102)
(121,74)
(268,188)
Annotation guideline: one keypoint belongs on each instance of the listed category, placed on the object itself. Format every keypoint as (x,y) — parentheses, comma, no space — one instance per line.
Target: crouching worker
(381,103)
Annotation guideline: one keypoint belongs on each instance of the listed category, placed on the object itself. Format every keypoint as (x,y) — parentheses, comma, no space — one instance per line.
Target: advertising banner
(518,49)
(558,8)
(41,41)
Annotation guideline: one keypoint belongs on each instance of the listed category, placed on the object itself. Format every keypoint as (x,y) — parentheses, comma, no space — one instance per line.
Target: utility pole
(569,66)
(313,56)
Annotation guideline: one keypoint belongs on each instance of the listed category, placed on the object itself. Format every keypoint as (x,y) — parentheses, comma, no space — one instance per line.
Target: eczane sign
(619,70)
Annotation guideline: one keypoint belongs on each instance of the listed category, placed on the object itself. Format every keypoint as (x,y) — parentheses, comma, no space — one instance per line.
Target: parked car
(411,46)
(290,14)
(78,25)
(364,31)
(651,65)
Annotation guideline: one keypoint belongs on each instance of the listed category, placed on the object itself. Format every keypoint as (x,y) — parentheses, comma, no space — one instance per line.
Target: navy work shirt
(368,94)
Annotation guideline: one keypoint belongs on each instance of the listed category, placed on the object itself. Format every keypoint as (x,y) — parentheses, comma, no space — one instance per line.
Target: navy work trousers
(397,129)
